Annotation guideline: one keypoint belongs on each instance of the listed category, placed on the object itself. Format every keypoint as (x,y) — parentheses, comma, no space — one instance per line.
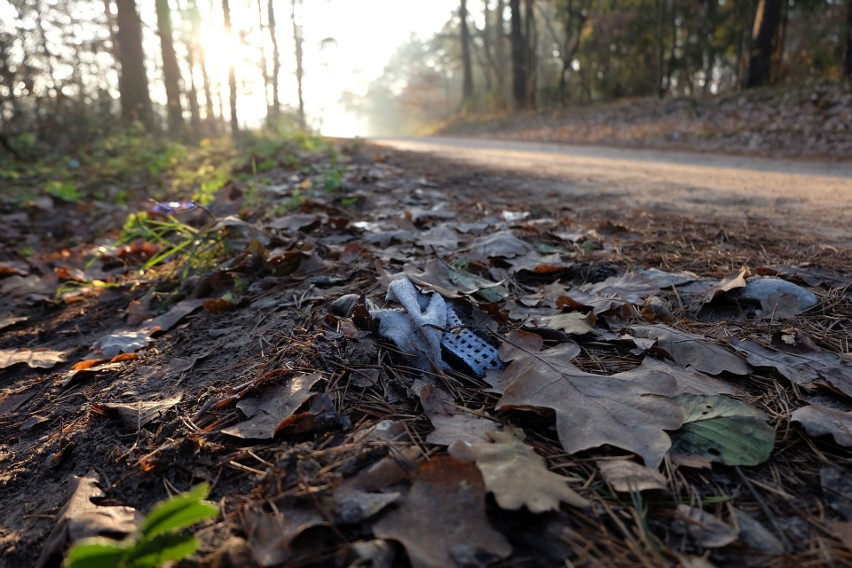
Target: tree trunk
(192,95)
(232,77)
(263,61)
(530,42)
(500,49)
(847,52)
(171,71)
(276,61)
(661,47)
(133,81)
(519,64)
(766,23)
(467,65)
(297,40)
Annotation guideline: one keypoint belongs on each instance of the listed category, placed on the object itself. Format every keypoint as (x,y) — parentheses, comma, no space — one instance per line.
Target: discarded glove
(434,333)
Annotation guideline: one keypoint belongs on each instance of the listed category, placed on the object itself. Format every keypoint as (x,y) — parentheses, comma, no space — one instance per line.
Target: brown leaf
(137,414)
(728,283)
(515,474)
(169,319)
(689,381)
(818,420)
(632,287)
(690,349)
(572,323)
(271,535)
(41,359)
(593,410)
(803,368)
(441,522)
(704,528)
(266,412)
(625,476)
(450,423)
(80,518)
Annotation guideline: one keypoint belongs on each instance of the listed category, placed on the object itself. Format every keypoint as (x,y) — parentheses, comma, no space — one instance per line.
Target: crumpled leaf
(802,368)
(722,429)
(137,414)
(631,287)
(818,420)
(690,349)
(778,298)
(271,535)
(169,319)
(81,518)
(572,323)
(121,342)
(728,283)
(267,411)
(451,424)
(704,528)
(515,474)
(626,475)
(441,522)
(35,358)
(591,410)
(501,244)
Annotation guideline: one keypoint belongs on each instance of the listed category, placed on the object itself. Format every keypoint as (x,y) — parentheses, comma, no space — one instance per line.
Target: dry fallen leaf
(818,420)
(266,412)
(515,474)
(270,535)
(625,476)
(442,522)
(81,518)
(690,349)
(450,423)
(802,368)
(689,381)
(704,528)
(33,357)
(591,410)
(137,414)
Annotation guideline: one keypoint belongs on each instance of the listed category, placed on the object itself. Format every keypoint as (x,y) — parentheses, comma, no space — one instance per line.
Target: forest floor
(660,390)
(806,123)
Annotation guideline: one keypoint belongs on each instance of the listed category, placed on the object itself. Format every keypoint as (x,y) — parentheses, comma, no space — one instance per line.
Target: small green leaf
(178,512)
(164,548)
(96,553)
(722,429)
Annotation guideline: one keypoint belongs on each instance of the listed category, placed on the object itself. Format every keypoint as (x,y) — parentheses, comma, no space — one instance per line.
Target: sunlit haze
(365,35)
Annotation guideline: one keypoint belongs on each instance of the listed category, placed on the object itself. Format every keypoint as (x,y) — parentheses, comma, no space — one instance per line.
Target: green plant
(176,240)
(64,190)
(155,542)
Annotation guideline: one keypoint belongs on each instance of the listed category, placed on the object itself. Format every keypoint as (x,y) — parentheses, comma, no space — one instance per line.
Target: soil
(53,424)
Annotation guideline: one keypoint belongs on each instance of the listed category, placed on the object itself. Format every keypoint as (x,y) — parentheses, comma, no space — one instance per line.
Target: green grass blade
(96,553)
(163,548)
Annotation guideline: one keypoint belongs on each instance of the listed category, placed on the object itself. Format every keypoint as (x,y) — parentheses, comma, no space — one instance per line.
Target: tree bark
(276,61)
(133,81)
(764,33)
(171,71)
(232,77)
(500,49)
(264,68)
(530,42)
(847,52)
(519,64)
(297,40)
(467,65)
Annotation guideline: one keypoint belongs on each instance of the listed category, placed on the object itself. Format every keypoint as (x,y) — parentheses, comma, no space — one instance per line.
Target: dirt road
(808,197)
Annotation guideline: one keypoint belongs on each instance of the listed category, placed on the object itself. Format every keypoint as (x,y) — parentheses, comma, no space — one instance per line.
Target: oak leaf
(515,474)
(442,522)
(591,410)
(697,351)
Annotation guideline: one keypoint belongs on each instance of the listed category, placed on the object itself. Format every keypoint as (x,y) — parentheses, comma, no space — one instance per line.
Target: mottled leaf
(819,420)
(722,429)
(515,474)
